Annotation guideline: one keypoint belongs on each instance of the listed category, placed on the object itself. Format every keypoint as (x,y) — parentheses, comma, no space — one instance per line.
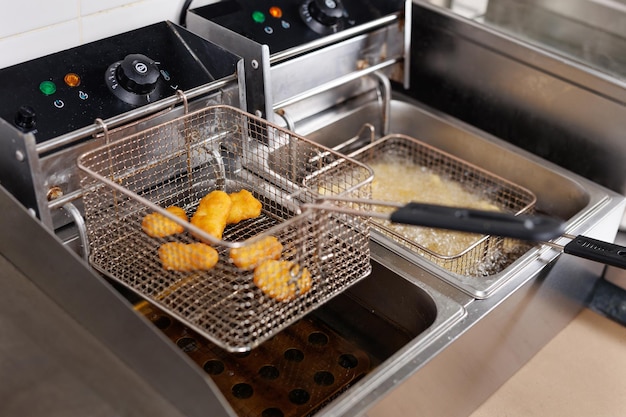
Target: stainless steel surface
(357,330)
(321,86)
(81,228)
(459,348)
(20,168)
(44,375)
(72,345)
(558,192)
(605,19)
(434,335)
(222,148)
(539,100)
(589,32)
(522,308)
(276,77)
(348,34)
(256,62)
(380,49)
(496,338)
(601,15)
(387,331)
(617,276)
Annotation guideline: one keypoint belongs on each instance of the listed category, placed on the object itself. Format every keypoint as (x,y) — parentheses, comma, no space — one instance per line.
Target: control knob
(323,16)
(135,80)
(25,118)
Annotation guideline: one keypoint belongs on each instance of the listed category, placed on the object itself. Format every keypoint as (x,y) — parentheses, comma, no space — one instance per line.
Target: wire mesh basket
(223,150)
(407,169)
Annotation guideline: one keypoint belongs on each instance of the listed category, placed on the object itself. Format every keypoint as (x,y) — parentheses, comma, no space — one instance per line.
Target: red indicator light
(71,79)
(276,12)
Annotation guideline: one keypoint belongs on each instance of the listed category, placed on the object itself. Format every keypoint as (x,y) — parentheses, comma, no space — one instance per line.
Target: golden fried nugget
(212,213)
(282,280)
(157,225)
(249,257)
(176,256)
(202,256)
(245,206)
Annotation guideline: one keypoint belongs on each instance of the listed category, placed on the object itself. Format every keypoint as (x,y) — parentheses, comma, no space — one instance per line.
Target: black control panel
(62,92)
(284,24)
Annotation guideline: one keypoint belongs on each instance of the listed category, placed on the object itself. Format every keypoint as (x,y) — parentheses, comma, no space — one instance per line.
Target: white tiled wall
(33,28)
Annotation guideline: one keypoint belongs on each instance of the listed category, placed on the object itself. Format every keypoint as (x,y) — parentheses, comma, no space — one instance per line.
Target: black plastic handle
(524,227)
(597,250)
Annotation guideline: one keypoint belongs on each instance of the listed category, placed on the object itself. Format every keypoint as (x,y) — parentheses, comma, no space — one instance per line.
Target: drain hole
(348,361)
(318,339)
(242,391)
(269,372)
(294,355)
(272,412)
(213,367)
(187,344)
(163,322)
(299,396)
(324,378)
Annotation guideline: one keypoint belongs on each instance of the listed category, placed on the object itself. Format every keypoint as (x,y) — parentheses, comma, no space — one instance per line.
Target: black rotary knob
(138,74)
(323,16)
(327,12)
(25,118)
(136,80)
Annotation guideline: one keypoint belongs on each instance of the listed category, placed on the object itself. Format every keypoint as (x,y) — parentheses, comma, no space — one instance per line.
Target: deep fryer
(426,331)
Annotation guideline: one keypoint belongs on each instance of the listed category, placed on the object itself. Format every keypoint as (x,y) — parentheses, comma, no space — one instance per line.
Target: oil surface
(403,182)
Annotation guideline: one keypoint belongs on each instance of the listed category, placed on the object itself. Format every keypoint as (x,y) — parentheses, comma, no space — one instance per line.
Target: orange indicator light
(276,12)
(71,79)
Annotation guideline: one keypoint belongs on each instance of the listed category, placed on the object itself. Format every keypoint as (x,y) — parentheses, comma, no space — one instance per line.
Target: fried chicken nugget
(212,213)
(157,225)
(245,206)
(251,256)
(176,256)
(282,280)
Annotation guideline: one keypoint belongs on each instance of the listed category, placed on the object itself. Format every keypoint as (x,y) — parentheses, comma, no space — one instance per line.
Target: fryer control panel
(62,92)
(284,24)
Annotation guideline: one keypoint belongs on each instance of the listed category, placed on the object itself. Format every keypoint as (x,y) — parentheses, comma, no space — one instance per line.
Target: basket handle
(525,227)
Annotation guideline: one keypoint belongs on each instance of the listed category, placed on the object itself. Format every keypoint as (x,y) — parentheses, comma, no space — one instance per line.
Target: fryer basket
(487,255)
(223,148)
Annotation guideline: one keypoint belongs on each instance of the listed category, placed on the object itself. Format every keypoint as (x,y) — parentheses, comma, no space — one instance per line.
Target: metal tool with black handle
(595,250)
(535,228)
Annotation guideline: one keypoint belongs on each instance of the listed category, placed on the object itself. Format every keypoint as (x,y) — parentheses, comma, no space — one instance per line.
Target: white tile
(88,7)
(121,19)
(37,43)
(24,15)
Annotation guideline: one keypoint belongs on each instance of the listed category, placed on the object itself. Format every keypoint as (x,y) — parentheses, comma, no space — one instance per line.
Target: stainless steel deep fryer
(223,148)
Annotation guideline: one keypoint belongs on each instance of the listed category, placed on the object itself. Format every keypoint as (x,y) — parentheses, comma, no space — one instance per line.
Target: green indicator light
(258,16)
(47,87)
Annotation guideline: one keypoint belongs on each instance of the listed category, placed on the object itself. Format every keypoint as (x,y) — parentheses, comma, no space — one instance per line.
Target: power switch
(25,118)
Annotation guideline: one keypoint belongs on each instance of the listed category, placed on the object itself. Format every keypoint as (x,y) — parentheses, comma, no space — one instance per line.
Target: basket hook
(183,97)
(105,129)
(79,221)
